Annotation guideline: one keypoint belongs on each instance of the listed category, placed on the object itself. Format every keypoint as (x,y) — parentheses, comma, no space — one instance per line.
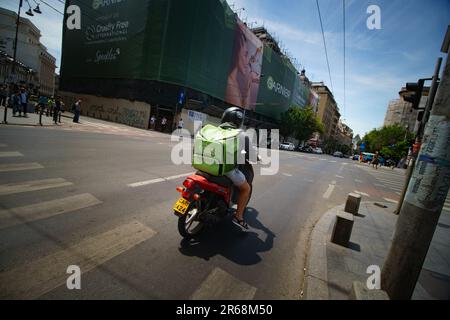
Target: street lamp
(13,69)
(30,13)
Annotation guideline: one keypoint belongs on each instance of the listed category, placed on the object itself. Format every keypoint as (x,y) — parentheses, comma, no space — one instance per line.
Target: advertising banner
(245,72)
(108,44)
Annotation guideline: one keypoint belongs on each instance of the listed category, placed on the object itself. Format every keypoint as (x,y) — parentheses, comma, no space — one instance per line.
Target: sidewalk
(332,268)
(31,120)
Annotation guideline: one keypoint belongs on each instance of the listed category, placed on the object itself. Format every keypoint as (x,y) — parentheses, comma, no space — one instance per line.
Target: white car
(287,146)
(318,151)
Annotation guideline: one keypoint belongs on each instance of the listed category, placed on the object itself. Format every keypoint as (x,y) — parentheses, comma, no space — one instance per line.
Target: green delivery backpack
(216,150)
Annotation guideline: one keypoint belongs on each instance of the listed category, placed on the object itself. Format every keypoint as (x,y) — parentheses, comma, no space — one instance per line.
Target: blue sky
(379,62)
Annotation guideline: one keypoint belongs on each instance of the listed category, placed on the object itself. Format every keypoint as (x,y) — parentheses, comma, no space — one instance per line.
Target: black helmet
(233,115)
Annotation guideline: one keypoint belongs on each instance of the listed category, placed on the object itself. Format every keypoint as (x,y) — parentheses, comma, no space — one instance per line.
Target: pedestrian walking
(76,109)
(3,95)
(24,101)
(163,124)
(376,160)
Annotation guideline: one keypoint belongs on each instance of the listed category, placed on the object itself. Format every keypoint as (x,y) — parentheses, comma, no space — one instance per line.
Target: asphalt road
(65,200)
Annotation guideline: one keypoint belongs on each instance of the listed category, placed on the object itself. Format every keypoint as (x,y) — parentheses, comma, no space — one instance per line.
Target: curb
(316,276)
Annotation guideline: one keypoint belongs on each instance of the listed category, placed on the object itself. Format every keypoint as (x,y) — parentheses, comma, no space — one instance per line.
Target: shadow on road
(229,241)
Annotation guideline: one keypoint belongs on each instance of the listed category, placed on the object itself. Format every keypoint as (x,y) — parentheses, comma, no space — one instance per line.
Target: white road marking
(308,180)
(332,161)
(8,167)
(362,193)
(34,185)
(323,159)
(379,185)
(358,181)
(329,191)
(390,200)
(287,174)
(9,154)
(220,285)
(33,279)
(446,208)
(46,209)
(340,177)
(157,180)
(2,145)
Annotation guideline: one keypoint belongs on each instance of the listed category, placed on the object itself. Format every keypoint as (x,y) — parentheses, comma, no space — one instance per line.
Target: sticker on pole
(430,180)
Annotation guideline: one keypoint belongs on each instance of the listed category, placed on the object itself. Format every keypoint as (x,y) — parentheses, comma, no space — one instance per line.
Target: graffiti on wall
(125,115)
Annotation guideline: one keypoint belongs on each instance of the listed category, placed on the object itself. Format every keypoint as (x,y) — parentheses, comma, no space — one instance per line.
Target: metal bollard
(41,111)
(5,115)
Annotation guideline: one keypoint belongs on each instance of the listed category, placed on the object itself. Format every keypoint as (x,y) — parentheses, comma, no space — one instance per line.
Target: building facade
(193,58)
(344,135)
(327,111)
(30,52)
(400,112)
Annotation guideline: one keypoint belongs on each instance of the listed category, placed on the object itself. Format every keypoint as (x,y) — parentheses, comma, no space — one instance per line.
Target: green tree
(390,141)
(300,124)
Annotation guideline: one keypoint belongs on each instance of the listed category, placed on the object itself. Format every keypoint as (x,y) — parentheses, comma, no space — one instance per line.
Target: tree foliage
(300,124)
(391,141)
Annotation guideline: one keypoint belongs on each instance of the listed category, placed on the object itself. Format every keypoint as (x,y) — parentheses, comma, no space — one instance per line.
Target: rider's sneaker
(240,223)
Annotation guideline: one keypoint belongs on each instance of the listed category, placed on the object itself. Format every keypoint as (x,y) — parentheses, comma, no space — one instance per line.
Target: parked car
(318,151)
(338,154)
(287,146)
(306,149)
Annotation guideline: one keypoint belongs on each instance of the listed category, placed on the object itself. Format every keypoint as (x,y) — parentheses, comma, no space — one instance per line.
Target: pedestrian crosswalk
(46,209)
(394,180)
(47,270)
(105,128)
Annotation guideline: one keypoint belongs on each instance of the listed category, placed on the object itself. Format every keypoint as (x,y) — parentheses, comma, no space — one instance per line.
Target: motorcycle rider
(233,118)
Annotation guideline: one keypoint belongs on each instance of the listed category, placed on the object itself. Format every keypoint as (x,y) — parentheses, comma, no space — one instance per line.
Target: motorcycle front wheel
(188,225)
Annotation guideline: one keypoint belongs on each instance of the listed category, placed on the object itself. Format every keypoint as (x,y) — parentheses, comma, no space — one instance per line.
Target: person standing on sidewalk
(180,126)
(152,122)
(163,124)
(77,110)
(50,105)
(3,95)
(15,103)
(24,101)
(43,101)
(56,110)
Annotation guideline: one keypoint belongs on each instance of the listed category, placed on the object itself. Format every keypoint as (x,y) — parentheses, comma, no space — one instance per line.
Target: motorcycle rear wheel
(189,229)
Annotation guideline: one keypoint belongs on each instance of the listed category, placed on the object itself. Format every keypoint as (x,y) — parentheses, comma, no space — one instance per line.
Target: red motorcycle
(207,200)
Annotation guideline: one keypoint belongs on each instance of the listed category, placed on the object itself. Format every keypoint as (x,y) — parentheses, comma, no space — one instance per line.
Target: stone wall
(132,113)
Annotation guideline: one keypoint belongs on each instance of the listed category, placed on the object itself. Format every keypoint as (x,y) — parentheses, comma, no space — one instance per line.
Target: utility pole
(423,122)
(424,199)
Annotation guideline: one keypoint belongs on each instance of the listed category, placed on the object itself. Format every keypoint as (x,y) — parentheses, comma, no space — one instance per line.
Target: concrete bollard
(342,229)
(352,204)
(360,292)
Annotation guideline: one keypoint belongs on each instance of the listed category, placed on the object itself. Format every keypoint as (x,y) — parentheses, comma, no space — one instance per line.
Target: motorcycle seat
(221,181)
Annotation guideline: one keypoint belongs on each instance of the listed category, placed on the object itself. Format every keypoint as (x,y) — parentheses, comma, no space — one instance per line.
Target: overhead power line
(48,5)
(345,60)
(325,45)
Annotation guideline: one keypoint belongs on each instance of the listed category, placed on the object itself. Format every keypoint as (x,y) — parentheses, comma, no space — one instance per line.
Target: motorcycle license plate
(181,206)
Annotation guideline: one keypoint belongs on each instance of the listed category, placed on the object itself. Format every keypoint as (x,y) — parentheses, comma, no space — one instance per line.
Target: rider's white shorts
(237,177)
